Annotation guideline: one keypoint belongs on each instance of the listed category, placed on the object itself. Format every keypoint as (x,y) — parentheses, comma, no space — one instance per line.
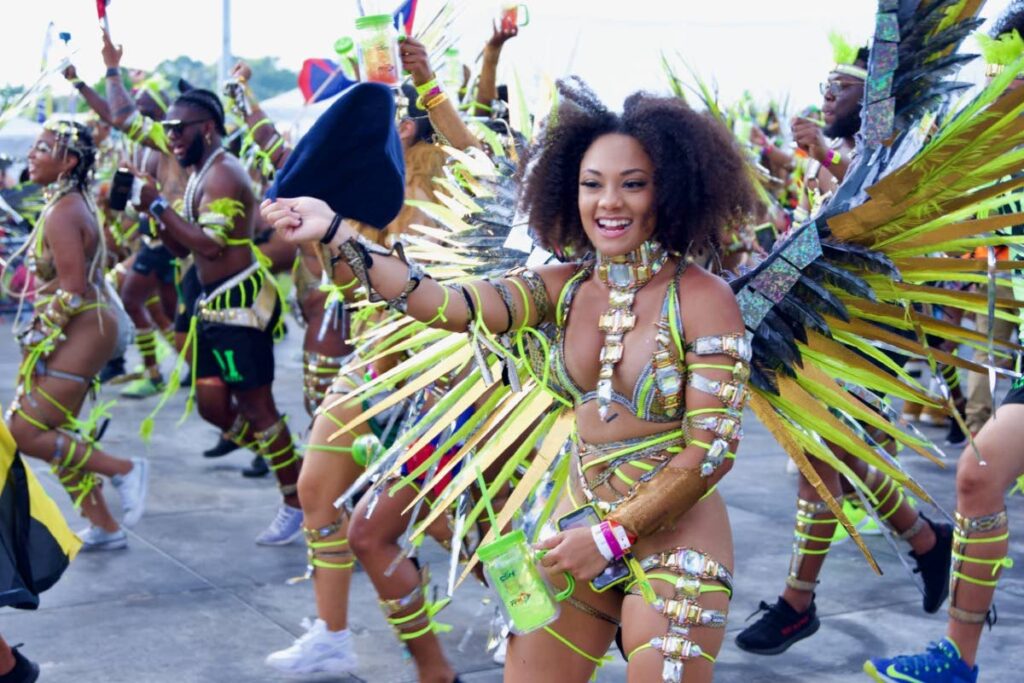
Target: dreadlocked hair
(700,181)
(199,98)
(75,138)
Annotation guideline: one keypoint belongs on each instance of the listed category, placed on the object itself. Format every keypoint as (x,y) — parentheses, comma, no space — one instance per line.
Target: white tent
(291,114)
(17,136)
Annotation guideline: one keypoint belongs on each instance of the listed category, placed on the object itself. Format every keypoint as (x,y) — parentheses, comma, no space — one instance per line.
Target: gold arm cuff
(656,504)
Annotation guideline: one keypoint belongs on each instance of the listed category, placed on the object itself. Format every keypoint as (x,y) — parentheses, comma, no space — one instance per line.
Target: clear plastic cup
(377,41)
(513,15)
(527,599)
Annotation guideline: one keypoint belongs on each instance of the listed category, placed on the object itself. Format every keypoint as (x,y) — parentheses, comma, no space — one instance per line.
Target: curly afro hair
(700,179)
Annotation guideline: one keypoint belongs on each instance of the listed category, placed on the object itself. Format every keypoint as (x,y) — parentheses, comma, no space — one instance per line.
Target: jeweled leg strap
(420,621)
(275,445)
(327,554)
(68,466)
(971,535)
(240,432)
(690,573)
(318,372)
(815,525)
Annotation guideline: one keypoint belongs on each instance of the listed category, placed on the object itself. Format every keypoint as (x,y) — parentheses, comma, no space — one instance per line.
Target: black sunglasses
(177,126)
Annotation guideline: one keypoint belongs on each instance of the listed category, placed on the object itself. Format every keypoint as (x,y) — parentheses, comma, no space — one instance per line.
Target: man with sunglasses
(830,142)
(232,325)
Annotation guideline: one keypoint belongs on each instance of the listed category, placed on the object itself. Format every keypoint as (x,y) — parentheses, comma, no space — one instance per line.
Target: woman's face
(46,161)
(616,200)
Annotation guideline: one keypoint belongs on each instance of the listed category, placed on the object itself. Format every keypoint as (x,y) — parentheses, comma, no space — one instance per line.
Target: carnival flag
(36,544)
(405,16)
(321,79)
(101,13)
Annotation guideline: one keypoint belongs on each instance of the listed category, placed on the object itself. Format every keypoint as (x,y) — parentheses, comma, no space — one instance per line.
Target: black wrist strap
(332,229)
(113,72)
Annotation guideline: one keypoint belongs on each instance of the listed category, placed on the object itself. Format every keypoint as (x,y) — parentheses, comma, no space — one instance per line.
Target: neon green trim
(599,661)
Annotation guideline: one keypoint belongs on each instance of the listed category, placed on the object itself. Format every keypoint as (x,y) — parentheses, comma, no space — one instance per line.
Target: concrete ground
(193,599)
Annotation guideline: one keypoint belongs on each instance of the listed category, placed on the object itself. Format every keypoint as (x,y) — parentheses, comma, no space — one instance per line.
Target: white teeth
(617,223)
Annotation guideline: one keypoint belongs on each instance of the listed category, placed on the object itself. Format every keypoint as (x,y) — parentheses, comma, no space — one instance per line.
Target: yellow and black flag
(36,544)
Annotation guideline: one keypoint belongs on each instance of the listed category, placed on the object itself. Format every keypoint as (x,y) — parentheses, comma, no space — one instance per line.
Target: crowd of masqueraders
(530,331)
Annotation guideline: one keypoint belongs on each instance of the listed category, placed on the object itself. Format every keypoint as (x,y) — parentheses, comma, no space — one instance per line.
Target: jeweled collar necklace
(624,275)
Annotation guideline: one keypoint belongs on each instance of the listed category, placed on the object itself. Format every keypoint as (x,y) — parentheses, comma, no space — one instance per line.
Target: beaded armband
(536,289)
(218,220)
(358,252)
(724,423)
(142,129)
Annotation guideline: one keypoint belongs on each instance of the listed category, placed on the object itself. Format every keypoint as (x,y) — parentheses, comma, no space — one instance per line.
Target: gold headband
(851,70)
(67,135)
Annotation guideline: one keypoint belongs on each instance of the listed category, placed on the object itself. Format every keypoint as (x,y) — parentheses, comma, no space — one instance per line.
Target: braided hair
(75,138)
(200,98)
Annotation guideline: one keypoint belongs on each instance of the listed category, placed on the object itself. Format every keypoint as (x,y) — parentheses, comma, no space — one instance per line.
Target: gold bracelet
(437,101)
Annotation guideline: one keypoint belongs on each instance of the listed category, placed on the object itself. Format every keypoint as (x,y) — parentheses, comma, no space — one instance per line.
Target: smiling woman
(657,420)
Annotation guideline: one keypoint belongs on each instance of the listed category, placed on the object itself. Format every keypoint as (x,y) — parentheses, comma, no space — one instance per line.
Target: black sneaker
(257,468)
(778,628)
(113,368)
(24,671)
(933,566)
(223,447)
(955,436)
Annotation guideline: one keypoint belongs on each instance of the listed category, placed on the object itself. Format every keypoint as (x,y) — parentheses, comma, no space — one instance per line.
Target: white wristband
(602,545)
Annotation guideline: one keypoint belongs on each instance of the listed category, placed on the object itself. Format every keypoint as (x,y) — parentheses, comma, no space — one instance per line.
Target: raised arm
(487,88)
(95,101)
(124,114)
(522,298)
(264,134)
(444,116)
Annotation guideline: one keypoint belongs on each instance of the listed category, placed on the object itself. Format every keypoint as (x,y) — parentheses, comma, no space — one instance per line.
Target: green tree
(8,94)
(268,79)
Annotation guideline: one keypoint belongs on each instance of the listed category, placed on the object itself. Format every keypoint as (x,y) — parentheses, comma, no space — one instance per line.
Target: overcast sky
(769,47)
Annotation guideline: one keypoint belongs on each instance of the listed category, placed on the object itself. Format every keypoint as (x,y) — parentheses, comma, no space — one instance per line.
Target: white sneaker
(95,539)
(500,652)
(317,651)
(285,529)
(132,488)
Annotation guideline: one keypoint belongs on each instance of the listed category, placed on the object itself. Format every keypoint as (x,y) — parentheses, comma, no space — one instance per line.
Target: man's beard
(194,153)
(845,127)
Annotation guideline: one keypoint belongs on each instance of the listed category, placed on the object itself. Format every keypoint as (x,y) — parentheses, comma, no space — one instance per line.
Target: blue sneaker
(940,663)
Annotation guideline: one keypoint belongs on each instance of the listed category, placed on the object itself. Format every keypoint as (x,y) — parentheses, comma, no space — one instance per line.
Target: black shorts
(189,290)
(157,262)
(241,356)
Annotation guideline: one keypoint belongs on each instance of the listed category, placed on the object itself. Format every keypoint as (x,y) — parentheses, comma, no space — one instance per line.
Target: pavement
(193,599)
